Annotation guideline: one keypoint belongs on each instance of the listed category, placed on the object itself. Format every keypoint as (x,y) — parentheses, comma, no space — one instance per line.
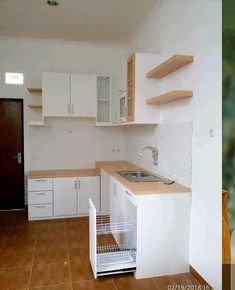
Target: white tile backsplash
(64,143)
(174,142)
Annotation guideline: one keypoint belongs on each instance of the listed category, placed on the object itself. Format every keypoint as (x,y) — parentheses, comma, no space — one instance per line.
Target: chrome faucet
(154,154)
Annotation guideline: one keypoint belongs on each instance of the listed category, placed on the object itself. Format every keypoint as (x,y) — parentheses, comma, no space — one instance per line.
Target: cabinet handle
(72,109)
(40,180)
(40,193)
(79,184)
(40,206)
(128,193)
(69,109)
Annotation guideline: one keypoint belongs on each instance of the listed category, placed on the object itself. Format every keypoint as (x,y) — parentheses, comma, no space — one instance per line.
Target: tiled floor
(53,255)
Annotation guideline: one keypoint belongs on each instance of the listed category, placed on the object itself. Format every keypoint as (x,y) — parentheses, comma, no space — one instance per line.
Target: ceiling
(107,21)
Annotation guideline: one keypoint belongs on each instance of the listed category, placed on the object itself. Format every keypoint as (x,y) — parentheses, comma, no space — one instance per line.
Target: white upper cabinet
(103,100)
(83,95)
(56,94)
(66,95)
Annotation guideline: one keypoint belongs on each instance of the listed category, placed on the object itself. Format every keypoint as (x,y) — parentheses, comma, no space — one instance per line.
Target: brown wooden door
(11,154)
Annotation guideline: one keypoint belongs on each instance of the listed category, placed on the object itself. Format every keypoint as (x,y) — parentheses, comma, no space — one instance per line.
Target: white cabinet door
(115,199)
(83,95)
(105,192)
(56,94)
(65,196)
(92,238)
(88,187)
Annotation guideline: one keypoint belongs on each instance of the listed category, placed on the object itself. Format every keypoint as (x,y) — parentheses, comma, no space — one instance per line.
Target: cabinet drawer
(40,184)
(38,197)
(40,210)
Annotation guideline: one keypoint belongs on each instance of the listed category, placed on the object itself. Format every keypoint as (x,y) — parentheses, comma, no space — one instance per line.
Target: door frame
(21,101)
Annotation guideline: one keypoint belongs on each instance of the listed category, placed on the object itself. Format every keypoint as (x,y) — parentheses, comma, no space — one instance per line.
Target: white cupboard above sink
(69,95)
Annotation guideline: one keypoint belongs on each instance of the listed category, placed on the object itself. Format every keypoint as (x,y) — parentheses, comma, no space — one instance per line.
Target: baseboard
(198,277)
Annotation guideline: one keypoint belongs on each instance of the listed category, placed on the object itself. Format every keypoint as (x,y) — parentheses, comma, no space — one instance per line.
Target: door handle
(18,157)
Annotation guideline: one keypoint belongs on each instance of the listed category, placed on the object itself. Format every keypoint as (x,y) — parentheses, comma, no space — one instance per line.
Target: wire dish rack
(112,243)
(118,225)
(115,254)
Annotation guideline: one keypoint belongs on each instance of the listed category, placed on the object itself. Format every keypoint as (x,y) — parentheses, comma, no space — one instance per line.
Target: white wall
(63,143)
(174,143)
(193,27)
(44,146)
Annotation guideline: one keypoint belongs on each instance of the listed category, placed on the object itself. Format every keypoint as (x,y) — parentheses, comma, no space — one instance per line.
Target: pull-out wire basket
(118,225)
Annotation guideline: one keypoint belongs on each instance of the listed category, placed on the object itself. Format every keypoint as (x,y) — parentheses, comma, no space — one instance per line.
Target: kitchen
(65,146)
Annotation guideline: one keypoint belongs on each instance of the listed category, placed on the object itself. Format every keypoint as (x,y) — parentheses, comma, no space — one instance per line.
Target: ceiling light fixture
(52,3)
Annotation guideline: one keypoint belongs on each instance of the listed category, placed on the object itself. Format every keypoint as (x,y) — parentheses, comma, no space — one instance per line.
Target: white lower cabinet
(65,196)
(148,233)
(62,197)
(88,187)
(40,198)
(114,257)
(105,192)
(40,211)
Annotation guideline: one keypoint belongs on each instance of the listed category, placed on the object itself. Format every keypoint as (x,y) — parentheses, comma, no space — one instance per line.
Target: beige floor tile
(98,284)
(16,278)
(80,268)
(127,281)
(50,274)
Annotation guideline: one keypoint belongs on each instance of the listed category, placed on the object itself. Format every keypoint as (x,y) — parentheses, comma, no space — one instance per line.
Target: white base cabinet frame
(56,198)
(163,225)
(113,258)
(105,192)
(162,229)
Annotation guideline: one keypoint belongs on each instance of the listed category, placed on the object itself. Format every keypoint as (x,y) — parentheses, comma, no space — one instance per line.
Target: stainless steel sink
(140,176)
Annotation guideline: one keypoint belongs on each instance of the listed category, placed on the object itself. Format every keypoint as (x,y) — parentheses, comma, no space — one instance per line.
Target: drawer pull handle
(40,206)
(128,193)
(40,193)
(40,180)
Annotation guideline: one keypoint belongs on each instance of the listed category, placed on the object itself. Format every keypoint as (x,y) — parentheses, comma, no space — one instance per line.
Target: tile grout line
(114,283)
(30,274)
(67,246)
(4,243)
(51,285)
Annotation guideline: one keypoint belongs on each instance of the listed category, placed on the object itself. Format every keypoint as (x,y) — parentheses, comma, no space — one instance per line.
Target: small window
(14,78)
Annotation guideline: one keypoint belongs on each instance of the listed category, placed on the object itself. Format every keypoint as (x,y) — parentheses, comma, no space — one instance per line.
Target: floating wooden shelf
(34,90)
(35,106)
(169,97)
(169,66)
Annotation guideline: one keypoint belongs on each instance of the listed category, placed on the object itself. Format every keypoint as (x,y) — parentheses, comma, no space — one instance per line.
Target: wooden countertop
(139,188)
(62,173)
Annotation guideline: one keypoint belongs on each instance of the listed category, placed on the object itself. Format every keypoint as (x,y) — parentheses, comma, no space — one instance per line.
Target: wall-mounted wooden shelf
(169,97)
(169,66)
(34,90)
(35,106)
